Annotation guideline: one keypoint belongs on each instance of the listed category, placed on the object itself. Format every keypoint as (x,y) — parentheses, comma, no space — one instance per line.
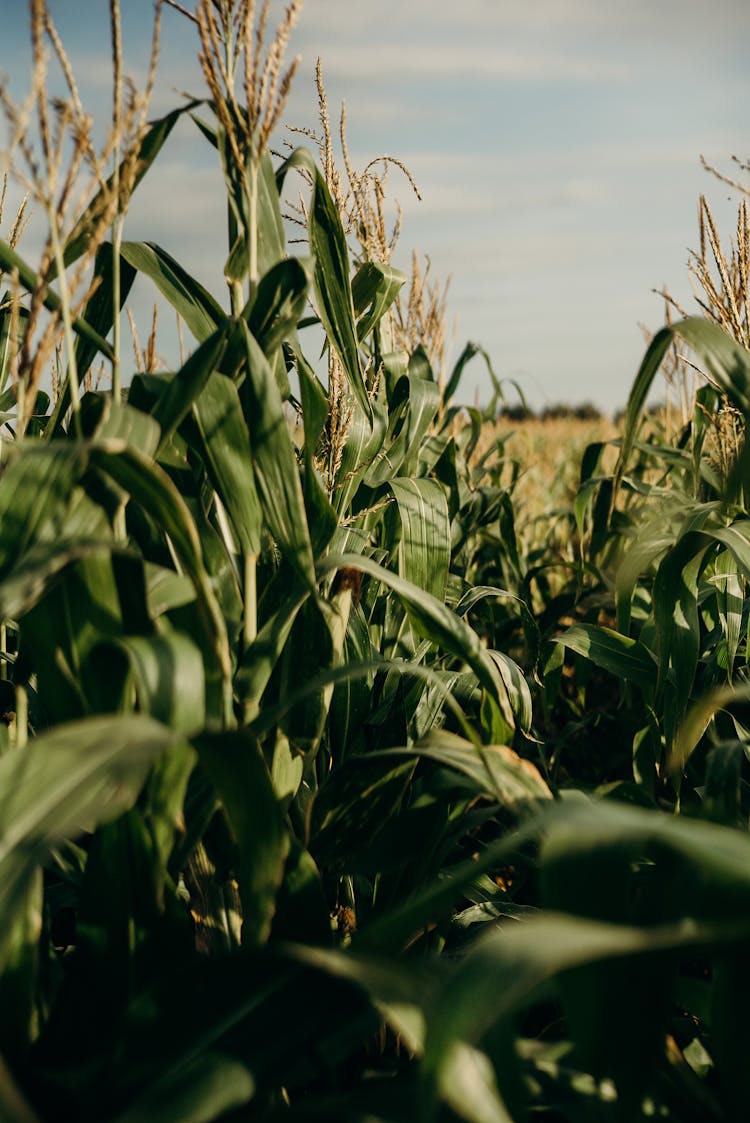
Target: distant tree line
(556,411)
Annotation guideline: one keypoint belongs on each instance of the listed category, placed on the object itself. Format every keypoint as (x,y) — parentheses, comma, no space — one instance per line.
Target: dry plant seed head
(720,282)
(725,438)
(420,317)
(229,35)
(64,172)
(139,364)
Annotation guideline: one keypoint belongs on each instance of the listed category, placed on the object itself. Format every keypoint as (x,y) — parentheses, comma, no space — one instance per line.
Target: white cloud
(444,61)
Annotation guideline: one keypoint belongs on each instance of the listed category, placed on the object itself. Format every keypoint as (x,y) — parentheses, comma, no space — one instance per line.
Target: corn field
(335,783)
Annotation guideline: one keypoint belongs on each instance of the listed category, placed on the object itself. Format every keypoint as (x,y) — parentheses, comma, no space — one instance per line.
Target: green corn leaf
(333,288)
(497,771)
(278,301)
(166,589)
(26,584)
(11,262)
(730,599)
(204,1089)
(517,689)
(99,309)
(64,782)
(179,394)
(725,361)
(374,289)
(618,654)
(412,407)
(424,550)
(8,346)
(190,300)
(236,766)
(261,658)
(530,626)
(364,442)
(677,622)
(169,680)
(226,450)
(321,517)
(153,490)
(35,498)
(276,472)
(433,620)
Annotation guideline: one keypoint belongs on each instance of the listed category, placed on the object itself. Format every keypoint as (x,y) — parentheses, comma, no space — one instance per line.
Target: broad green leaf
(100,306)
(424,550)
(725,361)
(11,262)
(26,583)
(333,288)
(496,770)
(65,782)
(314,646)
(730,599)
(36,494)
(19,973)
(152,489)
(374,289)
(262,656)
(618,654)
(413,406)
(8,346)
(517,689)
(350,672)
(433,620)
(180,393)
(698,718)
(187,296)
(677,623)
(354,805)
(122,422)
(276,471)
(166,589)
(169,678)
(528,621)
(364,442)
(278,301)
(198,1092)
(236,766)
(321,517)
(506,969)
(226,448)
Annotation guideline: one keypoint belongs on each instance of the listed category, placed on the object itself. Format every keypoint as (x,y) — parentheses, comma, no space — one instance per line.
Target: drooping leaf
(64,782)
(435,621)
(424,551)
(236,766)
(218,414)
(613,652)
(187,296)
(276,471)
(333,288)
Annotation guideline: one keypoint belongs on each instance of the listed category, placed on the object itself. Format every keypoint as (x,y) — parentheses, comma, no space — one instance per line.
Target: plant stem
(250,614)
(116,244)
(22,717)
(75,399)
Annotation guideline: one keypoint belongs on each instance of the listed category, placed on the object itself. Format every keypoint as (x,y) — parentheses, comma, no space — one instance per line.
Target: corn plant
(273,838)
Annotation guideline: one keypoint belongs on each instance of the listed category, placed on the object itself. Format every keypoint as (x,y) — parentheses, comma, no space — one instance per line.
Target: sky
(556,145)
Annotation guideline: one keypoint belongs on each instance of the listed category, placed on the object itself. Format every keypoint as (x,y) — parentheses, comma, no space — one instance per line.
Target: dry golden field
(541,460)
